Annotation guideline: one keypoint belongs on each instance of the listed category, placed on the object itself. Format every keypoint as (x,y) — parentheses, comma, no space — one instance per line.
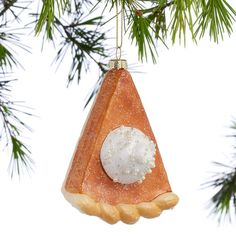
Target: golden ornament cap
(117,64)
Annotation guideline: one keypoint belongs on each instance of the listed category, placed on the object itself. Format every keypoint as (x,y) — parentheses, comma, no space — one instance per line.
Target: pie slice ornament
(117,172)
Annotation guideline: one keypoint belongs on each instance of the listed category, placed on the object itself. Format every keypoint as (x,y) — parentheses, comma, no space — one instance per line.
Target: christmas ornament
(117,172)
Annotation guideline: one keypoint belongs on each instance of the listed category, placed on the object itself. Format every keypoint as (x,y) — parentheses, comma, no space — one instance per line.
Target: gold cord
(119,38)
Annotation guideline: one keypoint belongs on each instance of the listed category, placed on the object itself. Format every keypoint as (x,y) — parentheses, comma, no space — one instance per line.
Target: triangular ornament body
(117,104)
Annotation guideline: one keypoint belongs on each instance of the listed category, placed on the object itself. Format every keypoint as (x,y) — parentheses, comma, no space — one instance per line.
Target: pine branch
(223,202)
(48,13)
(217,16)
(6,5)
(140,33)
(147,22)
(11,111)
(83,35)
(8,41)
(15,7)
(84,45)
(13,128)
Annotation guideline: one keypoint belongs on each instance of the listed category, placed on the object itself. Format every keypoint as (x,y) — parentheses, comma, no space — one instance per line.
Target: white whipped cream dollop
(127,155)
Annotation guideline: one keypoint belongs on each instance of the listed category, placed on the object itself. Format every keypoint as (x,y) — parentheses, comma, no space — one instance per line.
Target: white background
(189,96)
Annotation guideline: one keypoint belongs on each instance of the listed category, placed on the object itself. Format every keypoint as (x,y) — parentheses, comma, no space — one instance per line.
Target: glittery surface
(127,155)
(116,104)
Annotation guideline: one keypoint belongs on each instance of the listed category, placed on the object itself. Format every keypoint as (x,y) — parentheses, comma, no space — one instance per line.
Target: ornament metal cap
(117,64)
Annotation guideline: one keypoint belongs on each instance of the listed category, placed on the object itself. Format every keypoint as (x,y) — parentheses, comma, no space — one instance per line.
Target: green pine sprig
(223,202)
(13,127)
(75,39)
(218,17)
(12,112)
(147,23)
(141,35)
(48,13)
(8,41)
(6,5)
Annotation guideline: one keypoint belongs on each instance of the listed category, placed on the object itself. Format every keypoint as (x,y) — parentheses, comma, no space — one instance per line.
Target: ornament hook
(119,31)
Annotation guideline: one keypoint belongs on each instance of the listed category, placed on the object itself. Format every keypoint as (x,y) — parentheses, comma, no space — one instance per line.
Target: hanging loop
(118,52)
(118,62)
(119,29)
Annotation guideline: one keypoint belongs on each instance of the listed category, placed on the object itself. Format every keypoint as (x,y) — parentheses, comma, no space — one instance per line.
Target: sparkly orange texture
(117,103)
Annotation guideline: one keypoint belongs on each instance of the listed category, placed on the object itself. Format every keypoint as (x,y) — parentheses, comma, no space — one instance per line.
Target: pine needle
(223,203)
